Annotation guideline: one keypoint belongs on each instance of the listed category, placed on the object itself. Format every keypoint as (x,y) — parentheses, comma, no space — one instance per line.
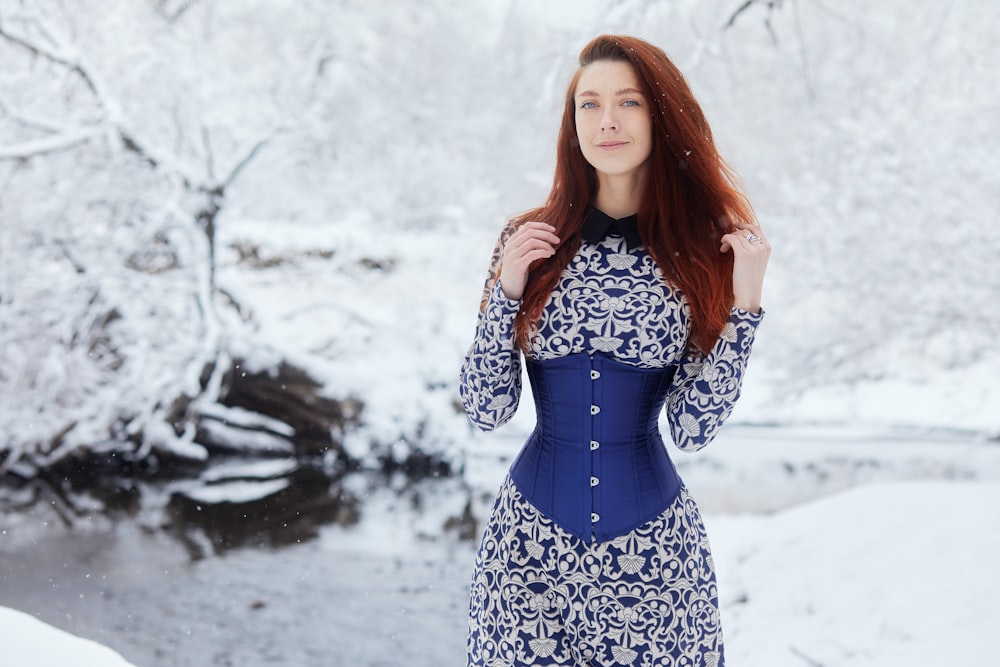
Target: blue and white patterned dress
(594,554)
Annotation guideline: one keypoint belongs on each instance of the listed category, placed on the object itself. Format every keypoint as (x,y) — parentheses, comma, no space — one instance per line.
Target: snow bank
(885,574)
(27,642)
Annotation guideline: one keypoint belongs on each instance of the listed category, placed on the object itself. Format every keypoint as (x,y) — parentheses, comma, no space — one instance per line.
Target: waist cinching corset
(596,463)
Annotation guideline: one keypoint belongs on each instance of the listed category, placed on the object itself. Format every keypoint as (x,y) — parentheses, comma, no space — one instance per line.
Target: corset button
(594,481)
(595,517)
(594,409)
(595,374)
(594,445)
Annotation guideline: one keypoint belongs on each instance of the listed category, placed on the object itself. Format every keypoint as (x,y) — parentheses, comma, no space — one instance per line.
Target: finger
(735,240)
(529,227)
(751,227)
(531,242)
(524,244)
(538,224)
(536,255)
(526,235)
(752,237)
(535,249)
(521,257)
(744,247)
(756,230)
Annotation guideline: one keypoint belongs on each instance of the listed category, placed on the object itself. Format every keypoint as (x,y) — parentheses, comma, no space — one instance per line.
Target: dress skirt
(542,596)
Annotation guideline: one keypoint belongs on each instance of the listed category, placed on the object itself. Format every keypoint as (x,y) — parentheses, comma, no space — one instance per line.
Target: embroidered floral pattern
(541,596)
(614,301)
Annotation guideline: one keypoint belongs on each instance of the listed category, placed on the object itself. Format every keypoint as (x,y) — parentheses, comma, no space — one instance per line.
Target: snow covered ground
(884,574)
(832,548)
(27,642)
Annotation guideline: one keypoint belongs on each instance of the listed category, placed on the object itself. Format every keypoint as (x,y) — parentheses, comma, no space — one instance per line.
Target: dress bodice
(614,301)
(611,312)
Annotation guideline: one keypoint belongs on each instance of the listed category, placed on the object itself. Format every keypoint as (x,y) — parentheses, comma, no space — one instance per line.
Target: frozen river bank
(807,529)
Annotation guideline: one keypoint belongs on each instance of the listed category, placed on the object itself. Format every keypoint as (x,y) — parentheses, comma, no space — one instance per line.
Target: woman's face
(613,121)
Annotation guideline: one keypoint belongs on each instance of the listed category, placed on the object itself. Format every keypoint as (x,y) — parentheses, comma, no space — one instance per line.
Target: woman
(635,287)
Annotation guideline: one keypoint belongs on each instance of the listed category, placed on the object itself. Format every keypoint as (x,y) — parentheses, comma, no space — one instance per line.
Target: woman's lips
(611,145)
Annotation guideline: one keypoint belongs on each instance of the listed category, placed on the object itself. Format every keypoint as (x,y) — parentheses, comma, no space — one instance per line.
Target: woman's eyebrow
(618,93)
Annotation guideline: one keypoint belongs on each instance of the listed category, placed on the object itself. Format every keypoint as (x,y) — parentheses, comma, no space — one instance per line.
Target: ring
(752,237)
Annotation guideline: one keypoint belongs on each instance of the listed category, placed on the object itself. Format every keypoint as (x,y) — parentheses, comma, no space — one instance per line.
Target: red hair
(690,198)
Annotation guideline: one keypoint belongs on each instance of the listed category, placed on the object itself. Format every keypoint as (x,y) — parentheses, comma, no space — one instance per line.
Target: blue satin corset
(608,354)
(596,463)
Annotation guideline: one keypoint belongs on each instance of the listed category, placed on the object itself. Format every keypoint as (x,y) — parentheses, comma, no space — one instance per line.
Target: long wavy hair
(690,200)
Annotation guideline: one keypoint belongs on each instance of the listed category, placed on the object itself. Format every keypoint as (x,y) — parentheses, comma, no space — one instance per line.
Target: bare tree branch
(771,6)
(172,15)
(245,161)
(59,58)
(36,123)
(807,659)
(804,54)
(206,141)
(53,144)
(739,10)
(113,115)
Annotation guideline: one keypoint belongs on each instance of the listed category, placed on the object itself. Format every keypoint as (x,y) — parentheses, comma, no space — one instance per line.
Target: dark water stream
(267,563)
(375,592)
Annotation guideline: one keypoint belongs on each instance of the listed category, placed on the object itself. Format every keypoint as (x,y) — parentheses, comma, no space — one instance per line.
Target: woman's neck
(619,196)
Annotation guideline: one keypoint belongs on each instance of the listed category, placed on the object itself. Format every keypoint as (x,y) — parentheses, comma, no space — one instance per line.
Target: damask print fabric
(541,596)
(552,586)
(614,301)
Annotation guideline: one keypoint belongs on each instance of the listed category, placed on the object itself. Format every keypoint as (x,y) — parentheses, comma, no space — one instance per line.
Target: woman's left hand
(751,251)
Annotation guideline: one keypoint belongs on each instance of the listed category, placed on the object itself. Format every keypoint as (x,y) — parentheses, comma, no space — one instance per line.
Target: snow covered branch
(142,209)
(52,144)
(65,57)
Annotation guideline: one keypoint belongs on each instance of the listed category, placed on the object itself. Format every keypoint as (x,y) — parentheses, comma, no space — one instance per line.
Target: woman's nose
(609,121)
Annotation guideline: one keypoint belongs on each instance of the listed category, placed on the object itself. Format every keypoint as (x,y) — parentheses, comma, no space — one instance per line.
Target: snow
(352,230)
(249,469)
(243,440)
(27,642)
(367,165)
(236,491)
(895,570)
(242,418)
(883,574)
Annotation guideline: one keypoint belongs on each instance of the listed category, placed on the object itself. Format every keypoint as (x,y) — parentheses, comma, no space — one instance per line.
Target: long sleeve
(490,386)
(705,389)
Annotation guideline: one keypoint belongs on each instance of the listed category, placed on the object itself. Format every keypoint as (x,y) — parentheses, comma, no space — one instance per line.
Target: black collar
(597,224)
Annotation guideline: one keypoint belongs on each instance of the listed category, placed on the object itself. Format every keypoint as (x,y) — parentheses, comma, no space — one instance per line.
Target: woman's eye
(589,105)
(630,103)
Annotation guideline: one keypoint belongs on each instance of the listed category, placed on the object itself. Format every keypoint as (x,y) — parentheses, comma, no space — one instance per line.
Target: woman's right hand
(531,242)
